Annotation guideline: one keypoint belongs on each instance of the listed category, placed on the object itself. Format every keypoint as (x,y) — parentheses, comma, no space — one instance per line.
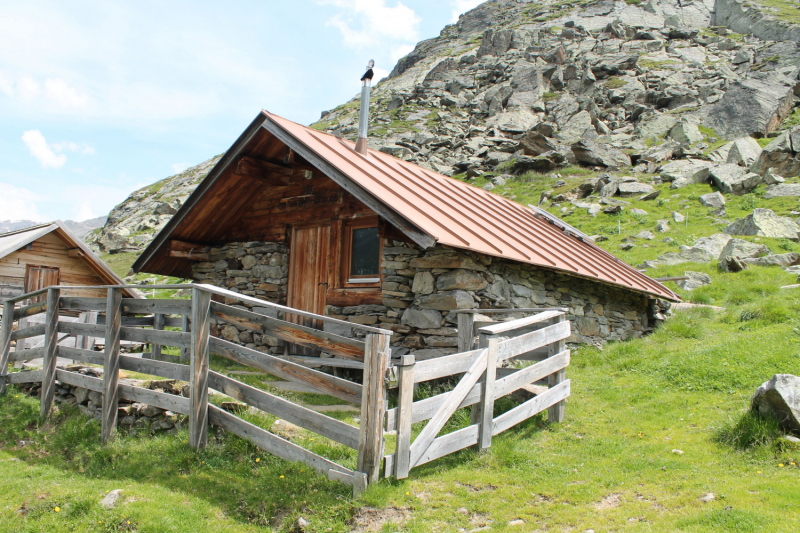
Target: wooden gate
(537,338)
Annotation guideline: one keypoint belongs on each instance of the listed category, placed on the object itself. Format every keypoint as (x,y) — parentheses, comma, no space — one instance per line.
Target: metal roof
(12,241)
(464,216)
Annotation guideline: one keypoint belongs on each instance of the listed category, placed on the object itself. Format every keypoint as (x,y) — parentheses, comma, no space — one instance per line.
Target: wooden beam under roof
(75,252)
(188,250)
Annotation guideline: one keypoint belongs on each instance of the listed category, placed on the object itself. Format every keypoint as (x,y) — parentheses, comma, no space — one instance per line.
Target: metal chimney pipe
(363,117)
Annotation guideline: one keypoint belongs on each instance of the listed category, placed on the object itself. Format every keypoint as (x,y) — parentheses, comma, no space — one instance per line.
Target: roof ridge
(30,228)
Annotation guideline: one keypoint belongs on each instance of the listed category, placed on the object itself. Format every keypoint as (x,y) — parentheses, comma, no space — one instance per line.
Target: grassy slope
(685,387)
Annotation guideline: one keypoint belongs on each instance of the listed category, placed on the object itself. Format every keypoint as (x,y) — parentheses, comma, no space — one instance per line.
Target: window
(362,255)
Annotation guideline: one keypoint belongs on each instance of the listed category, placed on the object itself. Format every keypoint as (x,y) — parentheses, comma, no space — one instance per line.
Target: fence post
(184,328)
(466,333)
(5,342)
(486,411)
(198,364)
(111,363)
(556,412)
(373,406)
(158,324)
(405,405)
(50,352)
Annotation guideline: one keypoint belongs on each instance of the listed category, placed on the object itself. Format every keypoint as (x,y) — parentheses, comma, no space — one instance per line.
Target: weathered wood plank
(531,407)
(30,376)
(33,309)
(466,333)
(162,400)
(373,405)
(6,326)
(80,380)
(155,368)
(77,328)
(50,352)
(158,325)
(450,443)
(165,307)
(81,303)
(315,362)
(296,414)
(184,329)
(405,407)
(556,412)
(150,336)
(84,356)
(446,410)
(263,303)
(445,366)
(531,341)
(424,409)
(487,396)
(290,332)
(272,443)
(111,364)
(27,355)
(27,333)
(322,382)
(198,382)
(508,328)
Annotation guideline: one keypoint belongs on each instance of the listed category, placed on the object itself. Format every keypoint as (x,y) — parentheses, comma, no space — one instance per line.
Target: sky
(98,99)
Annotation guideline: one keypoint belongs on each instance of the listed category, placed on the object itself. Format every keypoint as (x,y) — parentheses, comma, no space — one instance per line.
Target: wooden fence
(539,337)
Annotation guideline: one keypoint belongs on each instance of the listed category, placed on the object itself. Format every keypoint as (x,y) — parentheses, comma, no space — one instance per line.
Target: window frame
(347,280)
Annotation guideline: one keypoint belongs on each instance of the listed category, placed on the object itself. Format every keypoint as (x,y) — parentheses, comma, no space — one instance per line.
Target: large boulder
(692,170)
(780,155)
(713,244)
(780,397)
(733,179)
(765,223)
(782,260)
(741,249)
(591,152)
(754,105)
(712,199)
(685,133)
(634,188)
(695,281)
(782,189)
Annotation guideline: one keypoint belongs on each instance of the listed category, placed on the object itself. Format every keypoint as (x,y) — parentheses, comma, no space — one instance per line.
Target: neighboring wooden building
(47,255)
(298,217)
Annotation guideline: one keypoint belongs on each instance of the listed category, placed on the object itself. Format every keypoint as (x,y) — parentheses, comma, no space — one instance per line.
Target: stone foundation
(422,291)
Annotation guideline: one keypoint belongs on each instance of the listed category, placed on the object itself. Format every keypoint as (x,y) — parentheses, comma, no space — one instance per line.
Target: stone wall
(259,269)
(421,291)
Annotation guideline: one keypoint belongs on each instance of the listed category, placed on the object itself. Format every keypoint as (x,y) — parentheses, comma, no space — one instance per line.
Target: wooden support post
(556,412)
(466,333)
(373,406)
(476,412)
(185,329)
(487,398)
(50,352)
(198,369)
(111,363)
(158,324)
(405,405)
(5,342)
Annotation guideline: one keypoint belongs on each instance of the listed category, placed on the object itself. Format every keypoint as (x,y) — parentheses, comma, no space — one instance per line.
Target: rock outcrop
(780,398)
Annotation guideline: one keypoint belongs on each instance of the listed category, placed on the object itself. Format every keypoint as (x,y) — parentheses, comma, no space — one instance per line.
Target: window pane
(366,245)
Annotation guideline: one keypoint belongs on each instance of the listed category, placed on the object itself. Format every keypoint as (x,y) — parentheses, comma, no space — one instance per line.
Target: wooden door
(308,272)
(39,277)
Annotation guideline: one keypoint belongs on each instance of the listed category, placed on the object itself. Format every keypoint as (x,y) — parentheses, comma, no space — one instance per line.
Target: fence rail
(483,364)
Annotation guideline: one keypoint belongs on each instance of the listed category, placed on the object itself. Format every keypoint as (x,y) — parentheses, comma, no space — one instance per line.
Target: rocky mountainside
(642,92)
(81,229)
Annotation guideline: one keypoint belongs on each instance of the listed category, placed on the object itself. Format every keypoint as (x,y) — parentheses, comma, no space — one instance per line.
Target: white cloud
(17,203)
(84,212)
(400,51)
(28,88)
(462,6)
(83,148)
(370,22)
(42,151)
(179,167)
(63,94)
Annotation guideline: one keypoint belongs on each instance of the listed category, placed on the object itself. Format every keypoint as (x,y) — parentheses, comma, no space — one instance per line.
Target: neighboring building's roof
(14,240)
(429,207)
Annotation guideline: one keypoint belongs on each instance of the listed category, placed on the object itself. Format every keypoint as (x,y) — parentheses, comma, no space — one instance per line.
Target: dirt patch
(370,519)
(477,488)
(609,502)
(480,520)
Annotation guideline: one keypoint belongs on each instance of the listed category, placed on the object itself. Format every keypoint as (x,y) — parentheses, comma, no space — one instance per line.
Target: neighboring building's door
(308,272)
(39,277)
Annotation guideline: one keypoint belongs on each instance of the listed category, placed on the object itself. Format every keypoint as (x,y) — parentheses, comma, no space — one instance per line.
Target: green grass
(785,10)
(120,263)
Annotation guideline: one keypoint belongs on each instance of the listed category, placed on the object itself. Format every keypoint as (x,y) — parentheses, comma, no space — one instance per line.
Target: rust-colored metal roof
(463,216)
